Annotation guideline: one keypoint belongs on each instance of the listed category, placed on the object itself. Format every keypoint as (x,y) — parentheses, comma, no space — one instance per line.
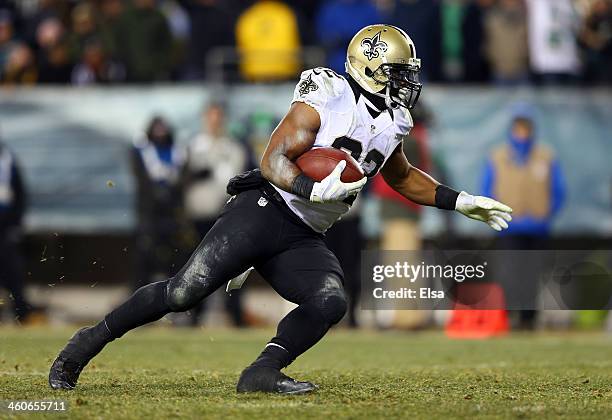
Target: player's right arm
(294,135)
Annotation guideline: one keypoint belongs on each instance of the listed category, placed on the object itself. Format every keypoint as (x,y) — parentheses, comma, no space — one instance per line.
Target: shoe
(266,379)
(64,373)
(79,350)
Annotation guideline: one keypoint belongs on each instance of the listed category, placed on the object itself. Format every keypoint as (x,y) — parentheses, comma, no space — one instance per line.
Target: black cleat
(266,379)
(80,349)
(64,373)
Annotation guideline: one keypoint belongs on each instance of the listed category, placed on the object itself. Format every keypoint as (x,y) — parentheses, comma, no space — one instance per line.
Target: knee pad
(193,283)
(182,294)
(330,301)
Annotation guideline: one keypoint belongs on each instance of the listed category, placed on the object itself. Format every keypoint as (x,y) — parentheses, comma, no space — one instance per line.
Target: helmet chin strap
(388,101)
(387,97)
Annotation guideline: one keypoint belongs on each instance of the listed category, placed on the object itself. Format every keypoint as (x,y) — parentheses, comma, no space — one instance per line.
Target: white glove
(485,209)
(331,188)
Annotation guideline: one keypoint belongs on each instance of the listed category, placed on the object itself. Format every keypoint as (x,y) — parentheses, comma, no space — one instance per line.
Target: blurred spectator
(6,37)
(306,12)
(212,24)
(157,164)
(20,67)
(254,133)
(177,18)
(212,159)
(49,33)
(475,66)
(12,209)
(111,14)
(337,23)
(53,55)
(400,217)
(525,175)
(45,9)
(180,27)
(421,20)
(553,53)
(8,6)
(308,9)
(145,43)
(457,40)
(452,14)
(506,42)
(84,28)
(96,67)
(268,40)
(11,15)
(596,38)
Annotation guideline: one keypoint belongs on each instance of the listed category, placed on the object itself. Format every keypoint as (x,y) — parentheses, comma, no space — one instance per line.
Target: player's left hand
(485,209)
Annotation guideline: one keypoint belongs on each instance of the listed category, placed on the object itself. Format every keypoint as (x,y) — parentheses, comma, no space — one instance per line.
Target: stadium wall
(72,142)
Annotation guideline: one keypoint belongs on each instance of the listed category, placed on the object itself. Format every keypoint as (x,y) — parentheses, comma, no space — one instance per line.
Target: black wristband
(302,186)
(446,198)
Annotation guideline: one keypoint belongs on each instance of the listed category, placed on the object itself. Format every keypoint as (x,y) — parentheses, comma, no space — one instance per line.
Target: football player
(276,217)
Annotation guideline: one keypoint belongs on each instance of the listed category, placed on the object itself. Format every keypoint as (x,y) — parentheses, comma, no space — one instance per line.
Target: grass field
(164,373)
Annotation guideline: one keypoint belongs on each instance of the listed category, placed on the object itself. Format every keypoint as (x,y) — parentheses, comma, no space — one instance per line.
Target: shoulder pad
(319,86)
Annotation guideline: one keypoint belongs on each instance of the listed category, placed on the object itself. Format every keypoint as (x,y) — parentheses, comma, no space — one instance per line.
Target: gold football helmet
(382,60)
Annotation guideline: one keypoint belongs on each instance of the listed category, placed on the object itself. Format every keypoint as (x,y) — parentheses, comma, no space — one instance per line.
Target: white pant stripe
(276,345)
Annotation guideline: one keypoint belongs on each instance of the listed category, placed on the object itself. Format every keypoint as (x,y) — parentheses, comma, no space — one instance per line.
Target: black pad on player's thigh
(228,249)
(309,274)
(244,233)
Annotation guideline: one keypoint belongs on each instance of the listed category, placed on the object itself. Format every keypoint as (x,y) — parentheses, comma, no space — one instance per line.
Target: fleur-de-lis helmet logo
(372,47)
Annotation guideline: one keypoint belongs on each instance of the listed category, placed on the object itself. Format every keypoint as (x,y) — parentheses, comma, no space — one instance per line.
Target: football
(319,162)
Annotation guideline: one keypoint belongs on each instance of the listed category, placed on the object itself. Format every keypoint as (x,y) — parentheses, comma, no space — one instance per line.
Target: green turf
(165,373)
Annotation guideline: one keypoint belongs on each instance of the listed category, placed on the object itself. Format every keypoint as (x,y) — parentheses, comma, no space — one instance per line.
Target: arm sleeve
(557,187)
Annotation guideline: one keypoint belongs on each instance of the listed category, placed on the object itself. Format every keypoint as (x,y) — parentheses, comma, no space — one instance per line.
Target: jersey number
(373,160)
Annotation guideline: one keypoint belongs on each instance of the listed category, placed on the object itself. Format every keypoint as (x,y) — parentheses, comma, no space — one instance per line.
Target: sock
(301,329)
(273,357)
(147,304)
(87,342)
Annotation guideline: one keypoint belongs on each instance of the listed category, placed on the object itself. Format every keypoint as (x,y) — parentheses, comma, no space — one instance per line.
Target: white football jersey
(347,124)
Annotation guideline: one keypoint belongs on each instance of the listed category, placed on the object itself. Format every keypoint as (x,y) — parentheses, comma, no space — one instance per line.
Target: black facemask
(402,84)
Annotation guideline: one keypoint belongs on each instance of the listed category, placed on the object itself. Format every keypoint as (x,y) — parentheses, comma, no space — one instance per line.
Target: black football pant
(252,230)
(232,303)
(345,241)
